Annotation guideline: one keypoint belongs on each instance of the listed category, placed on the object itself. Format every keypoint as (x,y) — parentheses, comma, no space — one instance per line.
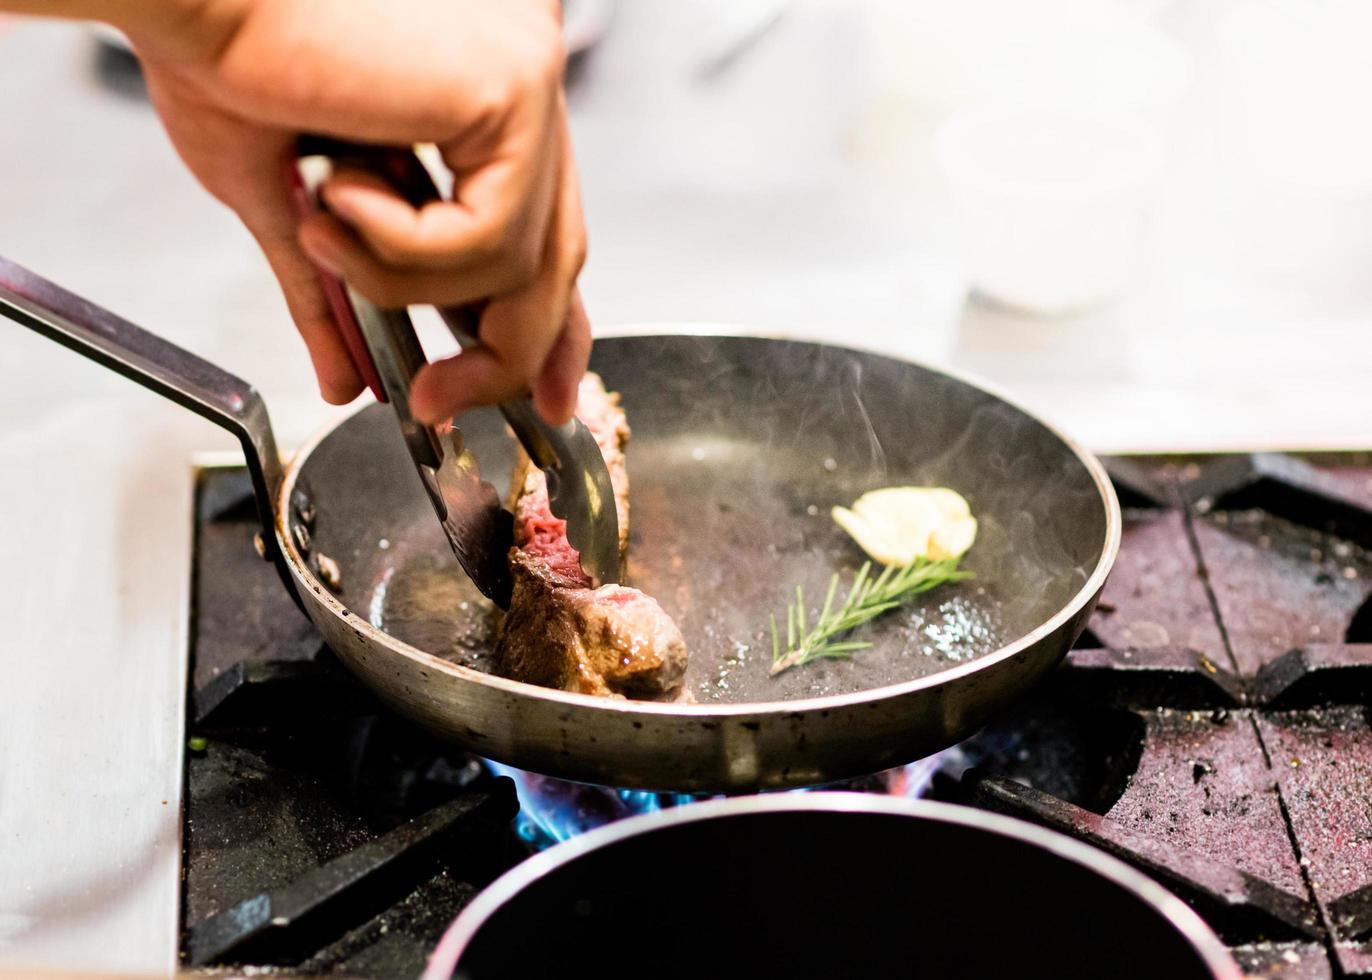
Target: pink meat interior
(538,531)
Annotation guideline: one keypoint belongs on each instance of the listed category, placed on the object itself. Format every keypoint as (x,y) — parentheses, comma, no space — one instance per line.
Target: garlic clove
(897,525)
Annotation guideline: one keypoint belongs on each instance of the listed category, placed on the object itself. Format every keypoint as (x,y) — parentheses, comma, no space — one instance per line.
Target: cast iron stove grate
(1211,728)
(323,834)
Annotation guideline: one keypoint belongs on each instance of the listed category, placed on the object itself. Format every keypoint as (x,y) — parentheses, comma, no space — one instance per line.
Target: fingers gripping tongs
(386,351)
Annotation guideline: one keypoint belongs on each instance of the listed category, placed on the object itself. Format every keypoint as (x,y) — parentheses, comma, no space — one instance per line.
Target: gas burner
(1210,729)
(555,810)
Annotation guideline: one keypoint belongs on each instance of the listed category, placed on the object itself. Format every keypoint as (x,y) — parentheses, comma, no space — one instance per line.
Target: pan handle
(159,366)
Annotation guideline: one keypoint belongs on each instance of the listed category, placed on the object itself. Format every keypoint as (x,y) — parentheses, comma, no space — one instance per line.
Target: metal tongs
(386,350)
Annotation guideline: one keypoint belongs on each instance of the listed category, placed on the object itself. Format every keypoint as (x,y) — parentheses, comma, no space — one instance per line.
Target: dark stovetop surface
(302,782)
(1211,728)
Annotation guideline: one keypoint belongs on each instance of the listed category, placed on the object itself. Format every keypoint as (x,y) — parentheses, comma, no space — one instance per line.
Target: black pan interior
(740,448)
(827,894)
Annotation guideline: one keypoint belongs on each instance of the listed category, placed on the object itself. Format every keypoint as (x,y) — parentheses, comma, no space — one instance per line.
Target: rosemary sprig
(867,599)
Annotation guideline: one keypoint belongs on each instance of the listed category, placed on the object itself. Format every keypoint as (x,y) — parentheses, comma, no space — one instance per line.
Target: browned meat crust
(610,641)
(561,633)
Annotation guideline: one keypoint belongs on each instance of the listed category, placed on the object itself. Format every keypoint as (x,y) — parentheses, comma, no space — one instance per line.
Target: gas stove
(1211,728)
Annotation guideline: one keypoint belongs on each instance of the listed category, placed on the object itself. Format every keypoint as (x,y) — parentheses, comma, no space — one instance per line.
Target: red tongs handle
(336,293)
(403,170)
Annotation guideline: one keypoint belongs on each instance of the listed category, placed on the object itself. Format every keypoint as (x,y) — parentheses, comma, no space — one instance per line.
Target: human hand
(235,84)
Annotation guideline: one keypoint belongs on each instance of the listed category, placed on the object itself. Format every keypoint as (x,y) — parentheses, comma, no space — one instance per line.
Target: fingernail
(431,415)
(341,206)
(556,407)
(554,412)
(440,421)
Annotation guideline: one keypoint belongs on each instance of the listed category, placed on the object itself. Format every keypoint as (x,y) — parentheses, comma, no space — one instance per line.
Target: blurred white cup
(1053,207)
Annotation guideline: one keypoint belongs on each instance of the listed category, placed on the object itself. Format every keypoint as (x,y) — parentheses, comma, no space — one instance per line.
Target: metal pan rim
(1180,916)
(742,710)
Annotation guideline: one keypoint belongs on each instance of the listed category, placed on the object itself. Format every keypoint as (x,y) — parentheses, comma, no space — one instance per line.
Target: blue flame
(553,810)
(913,781)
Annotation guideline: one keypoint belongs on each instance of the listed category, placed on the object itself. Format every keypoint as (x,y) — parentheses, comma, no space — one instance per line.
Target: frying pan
(741,445)
(827,885)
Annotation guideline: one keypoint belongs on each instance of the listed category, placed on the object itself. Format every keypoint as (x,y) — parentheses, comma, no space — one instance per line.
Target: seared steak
(559,632)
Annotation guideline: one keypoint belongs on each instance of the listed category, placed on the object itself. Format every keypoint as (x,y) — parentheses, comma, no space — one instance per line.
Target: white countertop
(777,195)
